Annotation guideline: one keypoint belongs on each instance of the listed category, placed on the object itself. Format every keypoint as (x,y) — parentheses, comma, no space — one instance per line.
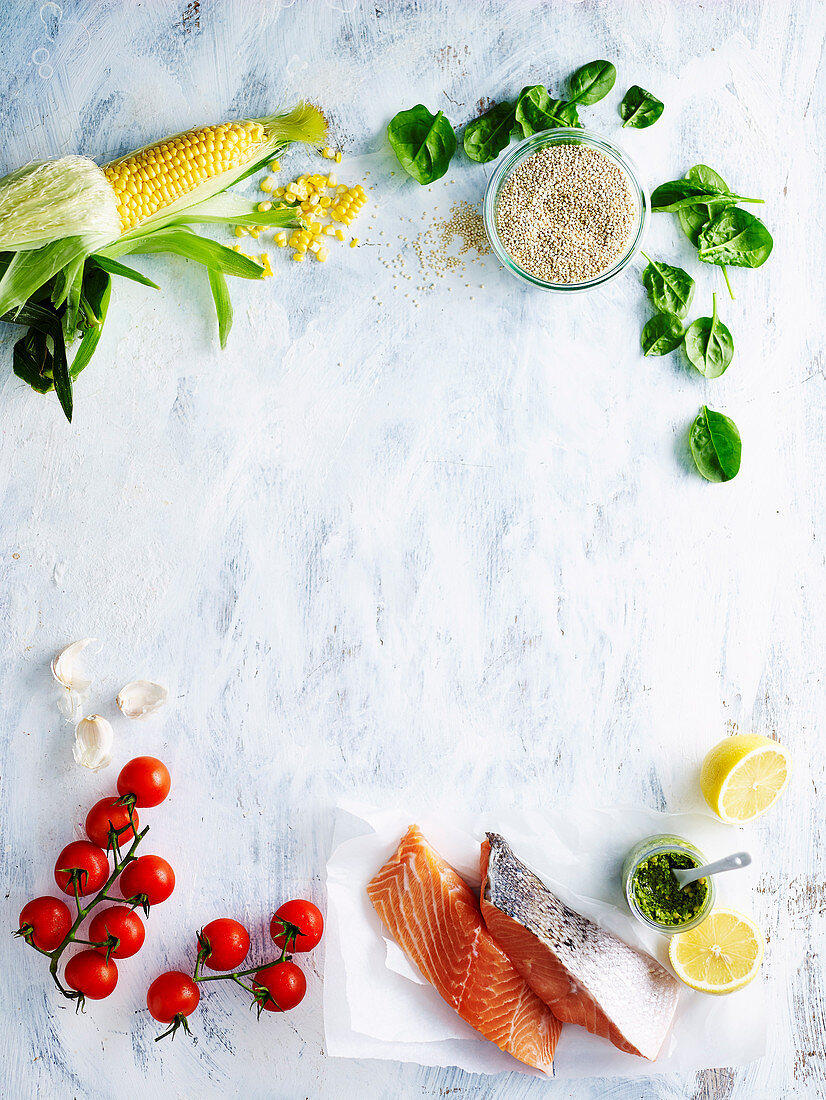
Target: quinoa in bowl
(565,210)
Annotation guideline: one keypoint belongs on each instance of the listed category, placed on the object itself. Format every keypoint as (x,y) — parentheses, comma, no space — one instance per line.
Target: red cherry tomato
(228,943)
(172,994)
(304,915)
(90,974)
(48,920)
(147,779)
(91,862)
(285,983)
(105,813)
(122,922)
(149,876)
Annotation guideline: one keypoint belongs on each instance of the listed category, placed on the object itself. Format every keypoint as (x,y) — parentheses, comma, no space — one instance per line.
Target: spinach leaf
(709,345)
(536,111)
(640,108)
(485,137)
(592,82)
(679,194)
(424,143)
(662,334)
(670,289)
(715,445)
(736,238)
(693,220)
(701,173)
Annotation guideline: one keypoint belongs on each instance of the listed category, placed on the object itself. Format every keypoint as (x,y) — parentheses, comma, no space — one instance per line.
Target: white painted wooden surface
(415,548)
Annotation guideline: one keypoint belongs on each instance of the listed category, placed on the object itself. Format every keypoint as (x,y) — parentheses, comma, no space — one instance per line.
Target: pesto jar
(653,894)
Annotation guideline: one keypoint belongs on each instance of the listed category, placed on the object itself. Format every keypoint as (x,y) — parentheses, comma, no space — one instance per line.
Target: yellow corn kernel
(240,231)
(332,180)
(338,157)
(305,206)
(340,189)
(354,243)
(340,234)
(264,206)
(315,227)
(327,152)
(278,192)
(325,201)
(275,166)
(328,230)
(292,189)
(267,183)
(236,248)
(347,219)
(298,256)
(360,191)
(255,233)
(313,200)
(314,246)
(322,255)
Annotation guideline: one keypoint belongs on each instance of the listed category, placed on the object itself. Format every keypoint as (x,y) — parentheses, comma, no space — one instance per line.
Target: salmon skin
(583,973)
(434,917)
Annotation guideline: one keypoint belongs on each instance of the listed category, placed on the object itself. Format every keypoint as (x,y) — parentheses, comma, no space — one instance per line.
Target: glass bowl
(564,136)
(654,846)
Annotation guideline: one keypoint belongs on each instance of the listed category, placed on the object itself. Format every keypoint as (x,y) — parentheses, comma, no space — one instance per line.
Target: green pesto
(658,894)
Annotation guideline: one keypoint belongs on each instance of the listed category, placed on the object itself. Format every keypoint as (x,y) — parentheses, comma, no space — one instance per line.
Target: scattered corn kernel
(240,231)
(298,256)
(354,243)
(314,246)
(338,157)
(236,248)
(263,206)
(267,183)
(275,166)
(322,254)
(327,152)
(332,179)
(340,234)
(255,233)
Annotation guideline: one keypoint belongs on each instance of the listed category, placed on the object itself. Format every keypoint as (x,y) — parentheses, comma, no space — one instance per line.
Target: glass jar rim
(563,135)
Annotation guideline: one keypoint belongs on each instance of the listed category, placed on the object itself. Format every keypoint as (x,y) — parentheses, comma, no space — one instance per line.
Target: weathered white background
(419,553)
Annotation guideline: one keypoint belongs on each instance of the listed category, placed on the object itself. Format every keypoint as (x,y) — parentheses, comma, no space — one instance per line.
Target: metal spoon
(727,863)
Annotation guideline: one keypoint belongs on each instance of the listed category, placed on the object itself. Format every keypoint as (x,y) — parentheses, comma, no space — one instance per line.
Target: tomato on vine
(110,813)
(125,925)
(146,780)
(149,878)
(45,922)
(223,944)
(171,998)
(83,862)
(91,975)
(297,926)
(280,987)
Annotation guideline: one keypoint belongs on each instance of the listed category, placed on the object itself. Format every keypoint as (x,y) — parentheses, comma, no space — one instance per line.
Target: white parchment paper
(377,1005)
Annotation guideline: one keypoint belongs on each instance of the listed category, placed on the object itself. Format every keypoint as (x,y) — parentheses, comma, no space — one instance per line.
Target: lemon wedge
(744,775)
(720,955)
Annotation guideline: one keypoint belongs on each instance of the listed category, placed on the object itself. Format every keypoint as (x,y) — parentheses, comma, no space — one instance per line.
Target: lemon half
(720,955)
(744,775)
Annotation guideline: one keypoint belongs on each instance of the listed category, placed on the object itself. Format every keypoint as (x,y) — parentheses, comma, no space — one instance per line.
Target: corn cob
(64,224)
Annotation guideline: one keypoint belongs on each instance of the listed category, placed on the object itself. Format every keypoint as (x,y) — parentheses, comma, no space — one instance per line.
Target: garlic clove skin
(66,667)
(70,705)
(141,698)
(94,737)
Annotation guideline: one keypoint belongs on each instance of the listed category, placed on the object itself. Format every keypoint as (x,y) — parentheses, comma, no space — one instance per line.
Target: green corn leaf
(94,304)
(115,268)
(28,271)
(185,242)
(223,305)
(34,361)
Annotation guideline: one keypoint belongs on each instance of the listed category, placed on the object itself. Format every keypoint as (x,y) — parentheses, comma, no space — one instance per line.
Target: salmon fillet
(584,974)
(434,917)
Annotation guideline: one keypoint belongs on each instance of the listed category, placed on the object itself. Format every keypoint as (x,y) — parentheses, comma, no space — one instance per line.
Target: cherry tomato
(228,943)
(49,920)
(89,859)
(148,875)
(286,985)
(105,813)
(90,974)
(304,915)
(120,921)
(172,994)
(147,779)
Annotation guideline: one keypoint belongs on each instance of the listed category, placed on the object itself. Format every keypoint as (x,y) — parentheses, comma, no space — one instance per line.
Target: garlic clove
(66,667)
(93,742)
(140,698)
(70,705)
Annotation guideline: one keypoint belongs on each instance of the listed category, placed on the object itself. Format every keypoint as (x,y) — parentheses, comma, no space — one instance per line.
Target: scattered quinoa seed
(566,213)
